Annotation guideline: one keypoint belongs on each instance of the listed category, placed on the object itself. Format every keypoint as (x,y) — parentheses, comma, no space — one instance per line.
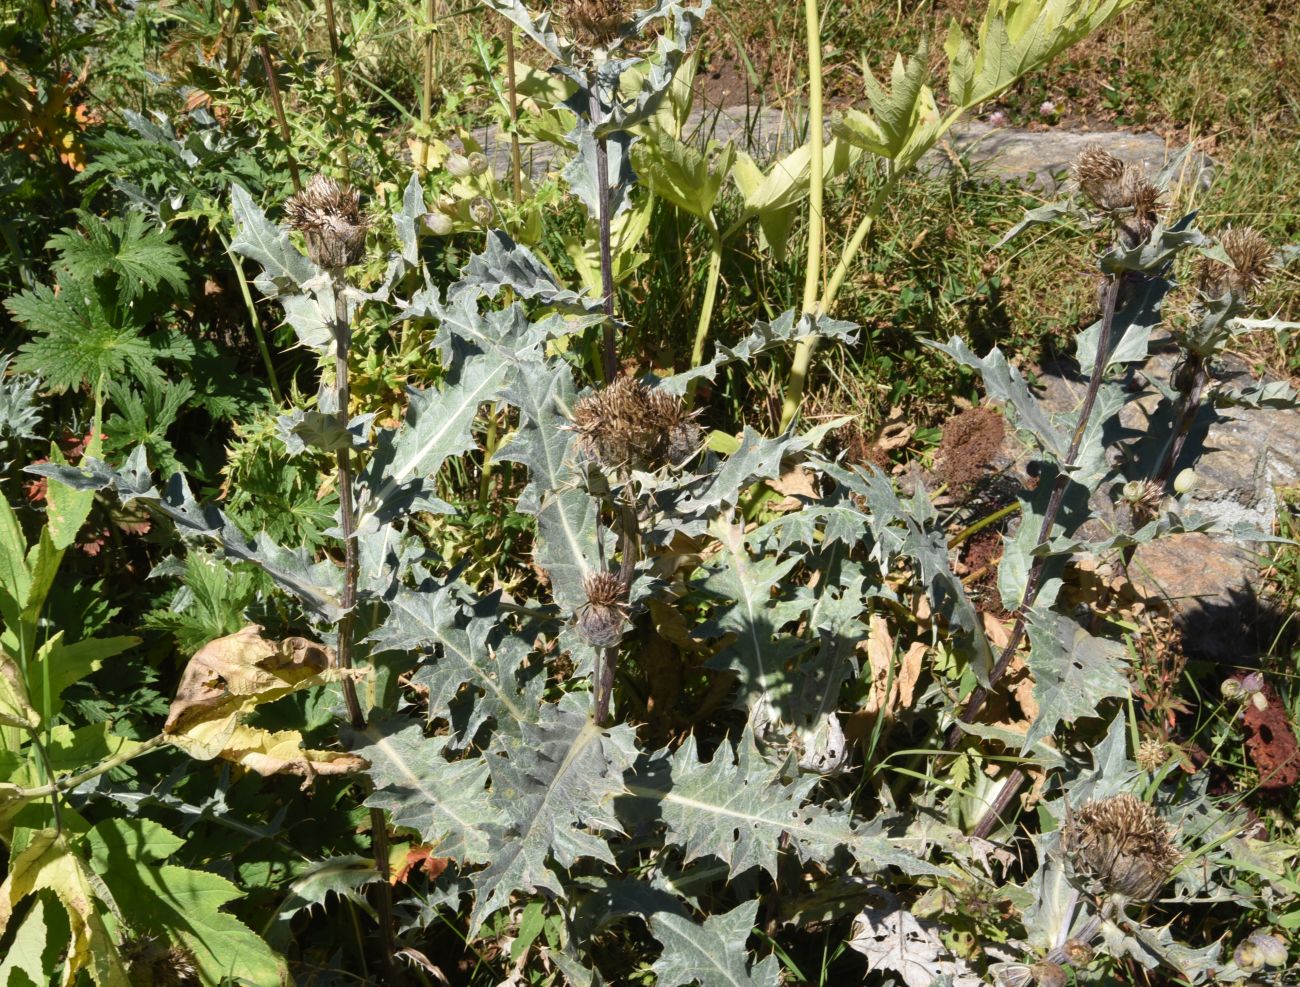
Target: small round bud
(478,163)
(481,211)
(438,223)
(1253,682)
(1048,974)
(446,204)
(1184,481)
(1259,701)
(458,165)
(1231,690)
(1078,952)
(1247,957)
(1269,949)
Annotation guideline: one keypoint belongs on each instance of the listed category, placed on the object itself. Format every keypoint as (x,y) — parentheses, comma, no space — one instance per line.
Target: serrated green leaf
(553,783)
(180,905)
(711,954)
(1074,672)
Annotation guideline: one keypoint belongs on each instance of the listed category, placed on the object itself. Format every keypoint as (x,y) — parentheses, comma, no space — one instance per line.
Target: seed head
(1251,256)
(601,618)
(626,425)
(1114,187)
(1121,844)
(1152,755)
(1144,498)
(152,963)
(593,23)
(481,210)
(328,214)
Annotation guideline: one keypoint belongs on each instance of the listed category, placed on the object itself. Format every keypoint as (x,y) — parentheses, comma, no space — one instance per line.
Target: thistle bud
(1184,481)
(1048,974)
(1144,498)
(1247,957)
(1117,188)
(1253,682)
(328,215)
(1152,755)
(626,425)
(593,23)
(438,223)
(1121,845)
(447,205)
(1078,952)
(1269,949)
(1250,255)
(1259,701)
(481,211)
(1231,690)
(458,165)
(478,163)
(601,618)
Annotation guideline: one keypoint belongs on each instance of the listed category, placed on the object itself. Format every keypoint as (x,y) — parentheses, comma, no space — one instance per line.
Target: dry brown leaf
(886,694)
(796,487)
(227,678)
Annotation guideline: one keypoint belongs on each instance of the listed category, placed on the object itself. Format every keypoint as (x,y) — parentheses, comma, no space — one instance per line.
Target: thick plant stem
(340,112)
(1033,584)
(426,88)
(516,165)
(710,300)
(347,625)
(803,353)
(609,350)
(277,102)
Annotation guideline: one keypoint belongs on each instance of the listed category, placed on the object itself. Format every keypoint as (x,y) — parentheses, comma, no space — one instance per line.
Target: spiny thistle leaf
(1074,672)
(712,954)
(738,808)
(553,783)
(284,269)
(445,801)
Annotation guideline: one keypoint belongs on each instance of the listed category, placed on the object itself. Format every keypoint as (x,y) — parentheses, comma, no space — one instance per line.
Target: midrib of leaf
(433,799)
(735,548)
(471,398)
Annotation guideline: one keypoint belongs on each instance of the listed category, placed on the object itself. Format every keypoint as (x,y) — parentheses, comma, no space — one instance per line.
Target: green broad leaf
(554,784)
(284,269)
(16,709)
(34,954)
(179,905)
(1018,37)
(400,476)
(48,863)
(711,954)
(443,800)
(904,121)
(127,249)
(680,174)
(73,750)
(71,663)
(77,340)
(739,809)
(1074,672)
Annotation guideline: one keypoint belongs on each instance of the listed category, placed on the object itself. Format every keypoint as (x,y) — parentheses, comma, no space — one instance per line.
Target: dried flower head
(1114,187)
(626,425)
(1144,498)
(1152,755)
(593,23)
(328,214)
(151,962)
(601,618)
(1121,844)
(1251,256)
